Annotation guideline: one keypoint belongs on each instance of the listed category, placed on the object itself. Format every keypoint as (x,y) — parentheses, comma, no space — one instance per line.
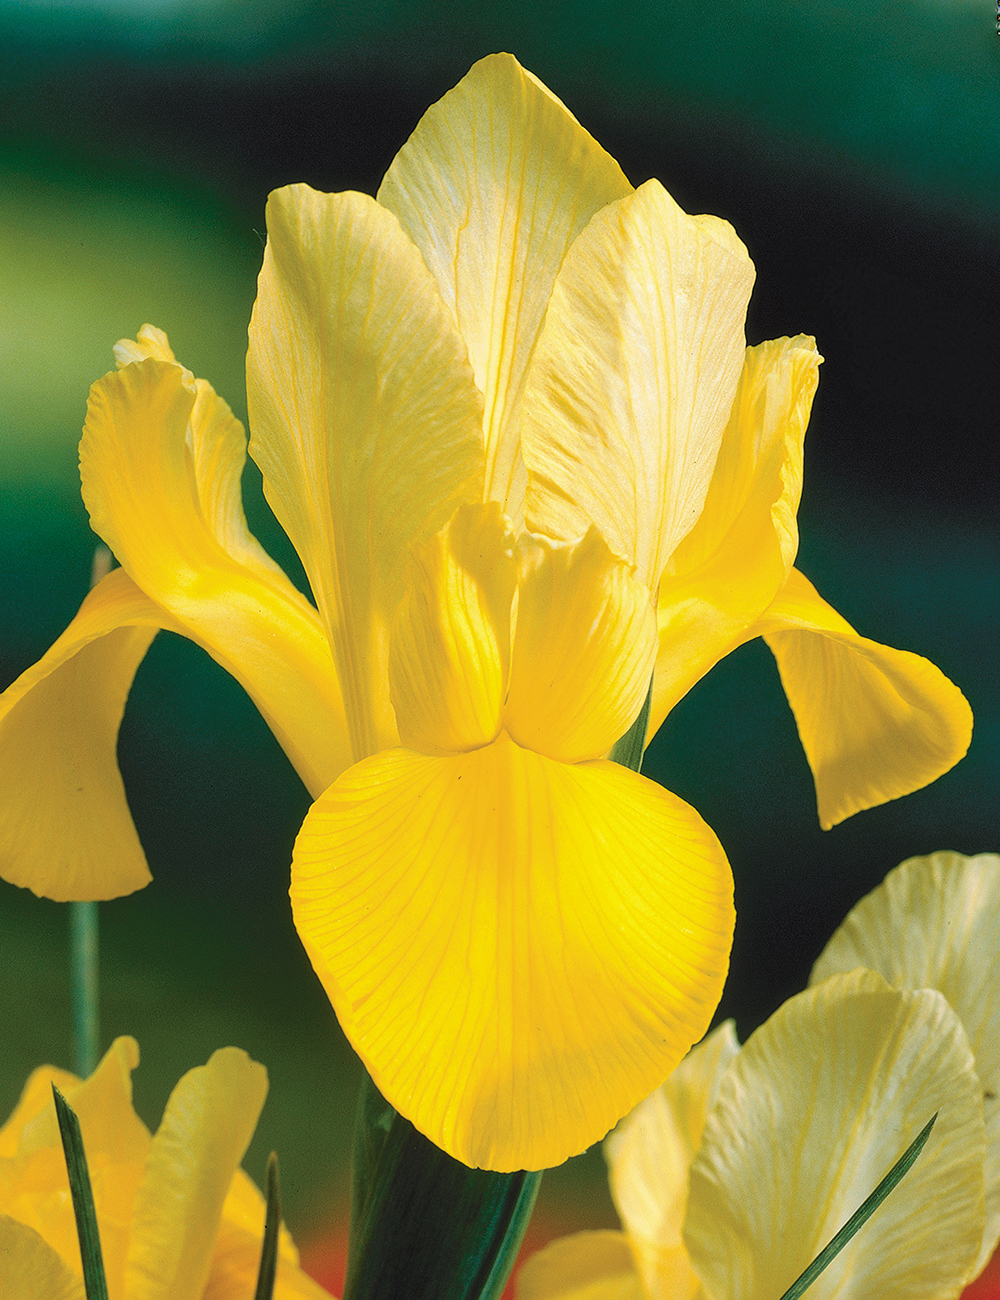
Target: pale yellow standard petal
(30,1269)
(493,186)
(518,949)
(634,377)
(450,651)
(813,1112)
(733,563)
(876,723)
(583,650)
(585,1266)
(65,828)
(366,422)
(160,463)
(934,923)
(649,1156)
(206,1128)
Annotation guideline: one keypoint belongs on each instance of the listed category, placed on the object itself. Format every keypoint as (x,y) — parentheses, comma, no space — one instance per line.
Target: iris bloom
(178,1217)
(506,414)
(733,1175)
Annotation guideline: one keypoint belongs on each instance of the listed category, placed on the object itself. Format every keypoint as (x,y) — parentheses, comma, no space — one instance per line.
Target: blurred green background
(853,144)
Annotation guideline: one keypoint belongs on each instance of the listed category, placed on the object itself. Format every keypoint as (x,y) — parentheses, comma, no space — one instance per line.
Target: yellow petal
(450,650)
(206,1128)
(585,1266)
(36,1096)
(583,650)
(160,462)
(518,949)
(732,564)
(493,186)
(650,1154)
(813,1112)
(366,422)
(65,828)
(30,1269)
(933,923)
(876,723)
(633,379)
(236,1262)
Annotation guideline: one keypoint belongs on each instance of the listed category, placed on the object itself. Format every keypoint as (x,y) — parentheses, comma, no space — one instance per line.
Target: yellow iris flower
(732,1176)
(178,1217)
(506,414)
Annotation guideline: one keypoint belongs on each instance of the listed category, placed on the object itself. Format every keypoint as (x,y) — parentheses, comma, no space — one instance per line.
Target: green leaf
(94,1282)
(272,1222)
(424,1226)
(628,751)
(861,1215)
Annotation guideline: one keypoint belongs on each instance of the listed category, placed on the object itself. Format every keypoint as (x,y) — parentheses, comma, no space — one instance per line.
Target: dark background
(854,147)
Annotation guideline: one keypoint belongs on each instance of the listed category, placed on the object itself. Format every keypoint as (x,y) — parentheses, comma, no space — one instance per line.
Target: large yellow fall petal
(733,563)
(634,377)
(493,186)
(584,1266)
(160,461)
(813,1112)
(366,422)
(518,949)
(30,1269)
(583,650)
(876,723)
(933,923)
(206,1128)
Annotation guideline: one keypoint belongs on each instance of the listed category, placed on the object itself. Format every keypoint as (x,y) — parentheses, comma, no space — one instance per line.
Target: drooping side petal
(875,723)
(366,422)
(160,462)
(493,186)
(206,1128)
(735,560)
(813,1112)
(30,1269)
(933,923)
(585,1266)
(634,376)
(518,949)
(65,828)
(584,649)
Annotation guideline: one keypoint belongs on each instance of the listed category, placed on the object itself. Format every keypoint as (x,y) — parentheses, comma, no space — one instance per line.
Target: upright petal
(493,186)
(518,949)
(876,723)
(814,1111)
(366,422)
(585,1266)
(634,377)
(31,1269)
(933,924)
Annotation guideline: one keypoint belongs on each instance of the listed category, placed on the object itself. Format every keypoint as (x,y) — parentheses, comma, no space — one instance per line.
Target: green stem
(83,947)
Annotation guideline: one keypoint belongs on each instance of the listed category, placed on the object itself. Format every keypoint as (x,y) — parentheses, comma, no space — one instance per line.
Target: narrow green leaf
(628,751)
(83,1199)
(272,1222)
(861,1215)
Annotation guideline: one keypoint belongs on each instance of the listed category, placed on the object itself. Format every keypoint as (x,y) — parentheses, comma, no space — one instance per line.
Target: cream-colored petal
(813,1112)
(206,1128)
(367,425)
(160,462)
(518,949)
(934,923)
(584,649)
(733,562)
(65,828)
(633,379)
(875,723)
(450,650)
(649,1156)
(30,1269)
(585,1266)
(493,186)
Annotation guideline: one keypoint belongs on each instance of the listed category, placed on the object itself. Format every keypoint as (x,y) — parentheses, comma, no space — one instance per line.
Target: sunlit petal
(366,422)
(934,923)
(634,377)
(518,949)
(30,1269)
(36,1096)
(876,723)
(583,650)
(493,186)
(585,1266)
(813,1112)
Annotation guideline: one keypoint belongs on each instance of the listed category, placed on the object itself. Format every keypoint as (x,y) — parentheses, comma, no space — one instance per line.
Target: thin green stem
(84,961)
